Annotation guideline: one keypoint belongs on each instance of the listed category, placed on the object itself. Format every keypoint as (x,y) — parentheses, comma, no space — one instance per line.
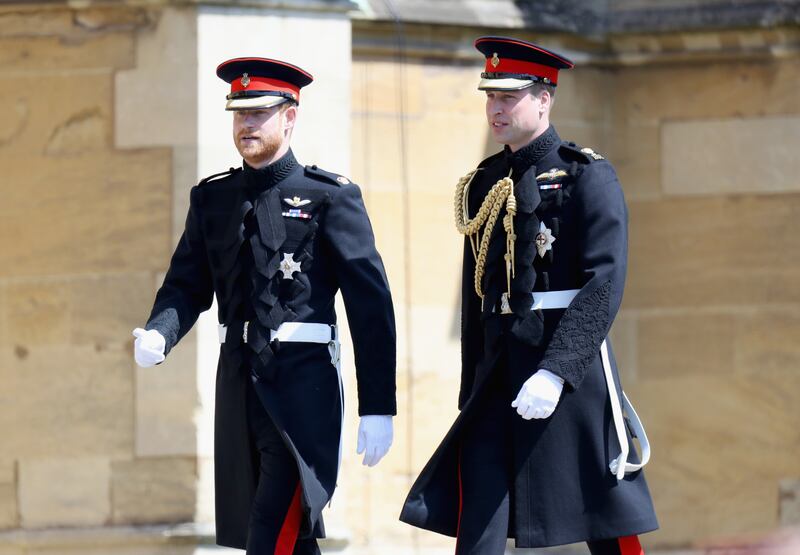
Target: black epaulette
(579,154)
(210,178)
(330,177)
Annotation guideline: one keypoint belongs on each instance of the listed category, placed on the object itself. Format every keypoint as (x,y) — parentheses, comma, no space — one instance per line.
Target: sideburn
(270,144)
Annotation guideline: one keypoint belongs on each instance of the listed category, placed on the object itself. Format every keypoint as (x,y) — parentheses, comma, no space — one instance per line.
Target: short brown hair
(537,88)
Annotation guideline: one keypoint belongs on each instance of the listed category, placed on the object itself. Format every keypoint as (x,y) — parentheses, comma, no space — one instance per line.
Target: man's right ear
(290,117)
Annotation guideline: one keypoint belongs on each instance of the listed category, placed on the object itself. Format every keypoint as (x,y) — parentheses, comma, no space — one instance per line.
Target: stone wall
(707,155)
(85,230)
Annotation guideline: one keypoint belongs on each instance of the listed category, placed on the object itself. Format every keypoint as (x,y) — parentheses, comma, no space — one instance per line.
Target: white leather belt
(544,300)
(292,332)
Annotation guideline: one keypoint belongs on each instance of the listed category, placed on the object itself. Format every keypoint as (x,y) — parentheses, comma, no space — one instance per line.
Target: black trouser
(485,470)
(276,512)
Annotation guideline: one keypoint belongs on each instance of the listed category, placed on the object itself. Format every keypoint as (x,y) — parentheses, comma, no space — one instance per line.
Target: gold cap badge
(495,60)
(245,80)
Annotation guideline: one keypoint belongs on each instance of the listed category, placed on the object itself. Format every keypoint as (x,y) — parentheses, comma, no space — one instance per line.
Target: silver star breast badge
(544,240)
(289,265)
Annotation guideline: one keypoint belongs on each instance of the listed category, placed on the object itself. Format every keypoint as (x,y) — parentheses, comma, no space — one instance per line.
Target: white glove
(539,395)
(374,437)
(148,349)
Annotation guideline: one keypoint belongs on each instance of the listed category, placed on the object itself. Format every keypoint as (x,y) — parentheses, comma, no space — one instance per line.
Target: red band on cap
(508,65)
(264,84)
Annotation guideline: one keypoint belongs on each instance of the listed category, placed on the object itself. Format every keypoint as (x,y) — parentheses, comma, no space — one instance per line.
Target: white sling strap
(638,430)
(335,349)
(620,466)
(619,407)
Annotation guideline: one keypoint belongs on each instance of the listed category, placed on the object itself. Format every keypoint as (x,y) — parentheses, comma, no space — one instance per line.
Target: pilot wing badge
(297,202)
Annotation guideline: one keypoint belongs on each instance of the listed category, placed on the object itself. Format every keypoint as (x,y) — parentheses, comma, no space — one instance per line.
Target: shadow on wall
(577,16)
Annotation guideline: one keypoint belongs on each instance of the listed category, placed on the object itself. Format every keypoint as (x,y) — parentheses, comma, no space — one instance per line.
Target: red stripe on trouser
(629,545)
(460,500)
(291,526)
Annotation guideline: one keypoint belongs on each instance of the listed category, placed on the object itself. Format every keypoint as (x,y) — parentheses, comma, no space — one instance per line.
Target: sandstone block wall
(712,303)
(85,228)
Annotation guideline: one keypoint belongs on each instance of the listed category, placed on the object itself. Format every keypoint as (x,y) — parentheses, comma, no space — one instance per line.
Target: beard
(257,152)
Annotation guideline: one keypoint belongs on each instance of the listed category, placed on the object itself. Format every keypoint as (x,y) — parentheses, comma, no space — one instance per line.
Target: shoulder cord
(500,193)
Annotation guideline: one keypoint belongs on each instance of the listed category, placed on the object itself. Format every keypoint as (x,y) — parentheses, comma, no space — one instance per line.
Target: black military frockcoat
(240,226)
(563,490)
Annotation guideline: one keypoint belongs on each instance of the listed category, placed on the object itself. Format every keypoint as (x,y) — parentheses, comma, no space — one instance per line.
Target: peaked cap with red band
(258,83)
(513,64)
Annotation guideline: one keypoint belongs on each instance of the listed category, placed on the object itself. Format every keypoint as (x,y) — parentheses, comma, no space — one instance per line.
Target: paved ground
(568,550)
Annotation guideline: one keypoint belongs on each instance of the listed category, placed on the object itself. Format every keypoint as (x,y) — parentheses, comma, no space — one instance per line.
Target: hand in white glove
(539,395)
(148,349)
(374,437)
